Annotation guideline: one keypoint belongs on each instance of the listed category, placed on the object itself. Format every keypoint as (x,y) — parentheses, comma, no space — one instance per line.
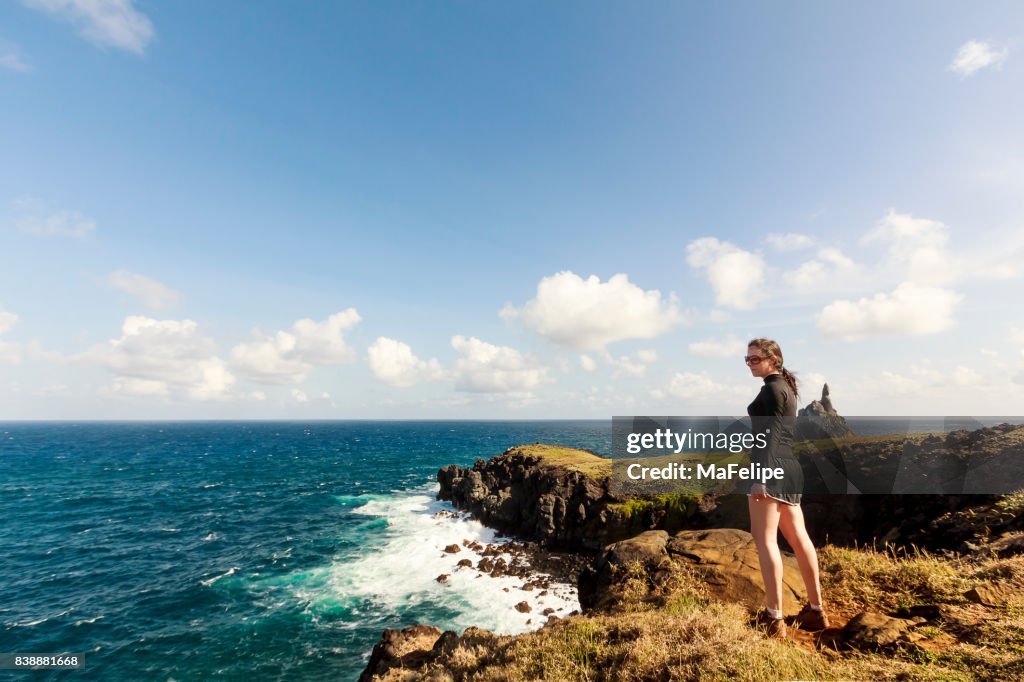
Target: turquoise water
(225,550)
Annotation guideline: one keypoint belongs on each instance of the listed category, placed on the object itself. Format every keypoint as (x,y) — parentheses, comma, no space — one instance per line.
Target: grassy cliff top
(569,459)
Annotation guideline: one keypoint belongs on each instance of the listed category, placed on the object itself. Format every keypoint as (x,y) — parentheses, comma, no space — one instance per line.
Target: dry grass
(570,459)
(669,629)
(858,579)
(702,641)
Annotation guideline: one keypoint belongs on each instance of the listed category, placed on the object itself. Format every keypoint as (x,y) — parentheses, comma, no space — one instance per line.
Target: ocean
(263,550)
(256,550)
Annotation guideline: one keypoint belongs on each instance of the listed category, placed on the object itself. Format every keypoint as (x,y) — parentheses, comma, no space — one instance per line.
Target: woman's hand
(759,492)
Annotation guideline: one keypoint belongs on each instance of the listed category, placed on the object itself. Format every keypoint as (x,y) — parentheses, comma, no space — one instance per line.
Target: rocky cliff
(557,496)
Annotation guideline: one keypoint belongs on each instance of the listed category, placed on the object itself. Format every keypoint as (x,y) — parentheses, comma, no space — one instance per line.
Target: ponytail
(791,380)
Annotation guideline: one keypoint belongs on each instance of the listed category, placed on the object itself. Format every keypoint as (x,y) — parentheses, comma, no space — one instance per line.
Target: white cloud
(923,379)
(647,356)
(152,357)
(909,309)
(9,352)
(486,368)
(812,382)
(719,315)
(917,247)
(631,365)
(975,55)
(705,391)
(287,357)
(7,320)
(299,396)
(153,295)
(107,23)
(728,347)
(587,315)
(141,388)
(53,391)
(737,276)
(587,363)
(790,241)
(11,58)
(35,218)
(836,258)
(394,363)
(806,276)
(812,275)
(917,252)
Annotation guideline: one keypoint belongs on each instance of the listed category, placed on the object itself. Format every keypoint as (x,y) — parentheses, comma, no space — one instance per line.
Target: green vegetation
(671,511)
(570,459)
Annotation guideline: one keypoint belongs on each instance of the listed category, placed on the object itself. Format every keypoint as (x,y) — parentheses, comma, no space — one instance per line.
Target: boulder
(597,584)
(994,594)
(405,648)
(728,559)
(871,631)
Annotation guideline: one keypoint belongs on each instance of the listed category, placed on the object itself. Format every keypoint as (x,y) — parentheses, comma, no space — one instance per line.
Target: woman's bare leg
(791,523)
(764,526)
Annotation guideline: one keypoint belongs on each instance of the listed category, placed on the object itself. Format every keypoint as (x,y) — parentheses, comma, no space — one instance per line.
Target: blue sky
(494,210)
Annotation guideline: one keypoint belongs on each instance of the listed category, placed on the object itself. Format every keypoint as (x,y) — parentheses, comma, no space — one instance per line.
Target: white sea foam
(85,621)
(210,581)
(38,621)
(399,573)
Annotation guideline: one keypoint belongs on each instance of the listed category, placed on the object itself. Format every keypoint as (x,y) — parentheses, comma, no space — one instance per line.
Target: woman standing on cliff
(775,504)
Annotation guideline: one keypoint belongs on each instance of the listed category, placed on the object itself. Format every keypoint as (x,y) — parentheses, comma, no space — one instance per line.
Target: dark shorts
(790,488)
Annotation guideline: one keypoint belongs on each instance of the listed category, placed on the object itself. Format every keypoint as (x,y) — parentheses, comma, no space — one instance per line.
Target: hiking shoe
(809,619)
(774,628)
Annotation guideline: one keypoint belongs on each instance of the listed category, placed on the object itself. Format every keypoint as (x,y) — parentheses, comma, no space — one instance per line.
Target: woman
(775,504)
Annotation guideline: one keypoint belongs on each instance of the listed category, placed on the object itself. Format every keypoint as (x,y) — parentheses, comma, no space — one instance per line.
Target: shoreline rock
(522,492)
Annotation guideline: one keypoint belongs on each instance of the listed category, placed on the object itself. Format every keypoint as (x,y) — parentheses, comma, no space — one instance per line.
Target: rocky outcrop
(820,420)
(995,594)
(556,496)
(725,559)
(412,653)
(871,631)
(397,649)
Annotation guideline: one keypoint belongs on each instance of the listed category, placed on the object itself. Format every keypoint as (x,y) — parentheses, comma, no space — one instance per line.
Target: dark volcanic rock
(518,492)
(413,653)
(406,648)
(820,420)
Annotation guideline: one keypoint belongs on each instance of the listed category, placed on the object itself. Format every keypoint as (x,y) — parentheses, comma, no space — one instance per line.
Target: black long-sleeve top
(773,413)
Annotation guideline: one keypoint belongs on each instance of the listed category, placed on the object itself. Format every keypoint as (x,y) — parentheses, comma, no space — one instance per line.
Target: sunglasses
(753,359)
